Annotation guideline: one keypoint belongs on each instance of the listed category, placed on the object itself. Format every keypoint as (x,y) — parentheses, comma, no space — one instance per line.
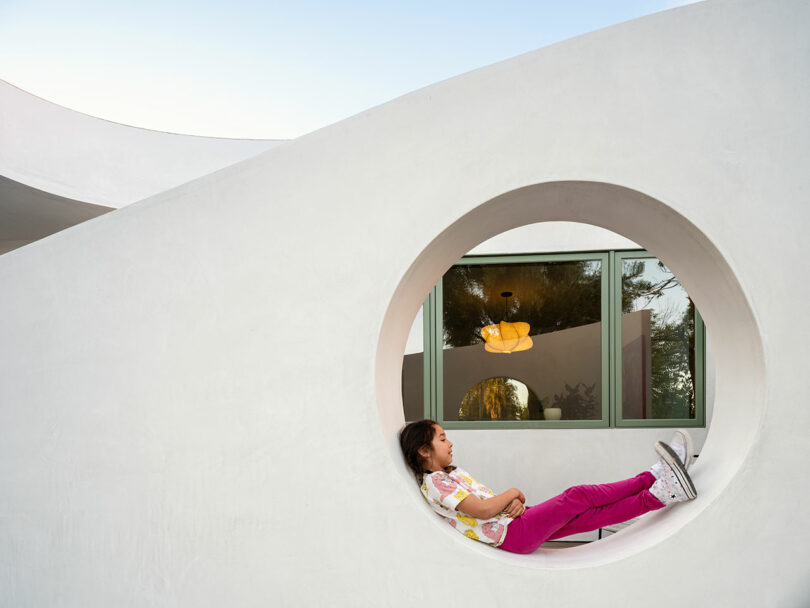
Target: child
(502,520)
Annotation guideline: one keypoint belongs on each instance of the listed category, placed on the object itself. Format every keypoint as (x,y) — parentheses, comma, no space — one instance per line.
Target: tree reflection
(498,399)
(673,365)
(554,296)
(578,402)
(550,296)
(672,335)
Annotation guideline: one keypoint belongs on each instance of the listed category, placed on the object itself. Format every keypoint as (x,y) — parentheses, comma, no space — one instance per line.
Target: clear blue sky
(269,69)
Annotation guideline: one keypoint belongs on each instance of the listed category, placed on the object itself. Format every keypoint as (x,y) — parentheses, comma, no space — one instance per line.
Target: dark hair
(414,437)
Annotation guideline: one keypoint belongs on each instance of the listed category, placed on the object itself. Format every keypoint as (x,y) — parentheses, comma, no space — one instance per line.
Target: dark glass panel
(561,303)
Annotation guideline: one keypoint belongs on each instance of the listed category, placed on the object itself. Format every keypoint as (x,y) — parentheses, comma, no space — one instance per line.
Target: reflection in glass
(413,376)
(658,343)
(561,302)
(413,386)
(498,399)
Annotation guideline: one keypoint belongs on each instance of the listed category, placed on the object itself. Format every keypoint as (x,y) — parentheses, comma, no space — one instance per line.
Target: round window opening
(568,349)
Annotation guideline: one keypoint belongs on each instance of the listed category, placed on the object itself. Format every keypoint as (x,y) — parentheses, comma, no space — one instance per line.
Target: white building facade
(202,390)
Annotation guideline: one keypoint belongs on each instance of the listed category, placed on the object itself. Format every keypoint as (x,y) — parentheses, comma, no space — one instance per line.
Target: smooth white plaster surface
(59,167)
(195,385)
(91,160)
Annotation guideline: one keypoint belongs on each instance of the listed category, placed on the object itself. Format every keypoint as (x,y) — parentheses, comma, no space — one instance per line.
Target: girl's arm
(488,508)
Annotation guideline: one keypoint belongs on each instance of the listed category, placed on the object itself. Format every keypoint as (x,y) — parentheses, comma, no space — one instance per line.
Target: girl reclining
(504,521)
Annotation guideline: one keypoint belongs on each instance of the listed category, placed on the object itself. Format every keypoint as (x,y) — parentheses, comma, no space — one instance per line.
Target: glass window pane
(558,377)
(658,343)
(499,399)
(413,376)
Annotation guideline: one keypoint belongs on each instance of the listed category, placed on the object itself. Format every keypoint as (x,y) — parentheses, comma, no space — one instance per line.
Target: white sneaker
(674,485)
(667,489)
(682,445)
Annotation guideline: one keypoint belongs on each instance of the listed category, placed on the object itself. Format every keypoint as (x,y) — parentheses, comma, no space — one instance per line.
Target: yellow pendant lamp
(506,337)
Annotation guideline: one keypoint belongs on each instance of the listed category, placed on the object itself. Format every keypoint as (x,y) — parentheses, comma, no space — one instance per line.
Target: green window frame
(611,351)
(617,257)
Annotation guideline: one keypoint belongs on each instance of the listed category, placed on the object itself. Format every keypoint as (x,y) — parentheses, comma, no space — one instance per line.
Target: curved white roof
(59,166)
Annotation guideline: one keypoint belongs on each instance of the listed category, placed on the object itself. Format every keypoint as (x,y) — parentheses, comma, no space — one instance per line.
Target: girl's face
(441,451)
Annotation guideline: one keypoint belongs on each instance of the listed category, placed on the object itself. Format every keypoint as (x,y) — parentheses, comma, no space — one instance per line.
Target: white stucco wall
(201,389)
(88,159)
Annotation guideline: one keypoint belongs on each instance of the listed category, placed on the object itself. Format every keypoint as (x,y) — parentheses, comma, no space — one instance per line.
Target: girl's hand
(514,508)
(519,496)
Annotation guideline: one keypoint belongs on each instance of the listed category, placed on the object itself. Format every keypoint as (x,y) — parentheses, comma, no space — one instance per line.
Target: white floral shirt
(444,491)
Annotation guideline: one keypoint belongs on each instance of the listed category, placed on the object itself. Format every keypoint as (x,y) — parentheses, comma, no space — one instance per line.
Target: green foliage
(673,365)
(492,399)
(672,341)
(635,287)
(550,296)
(578,402)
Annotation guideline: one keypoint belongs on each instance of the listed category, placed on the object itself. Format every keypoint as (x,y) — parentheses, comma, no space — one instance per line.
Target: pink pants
(581,509)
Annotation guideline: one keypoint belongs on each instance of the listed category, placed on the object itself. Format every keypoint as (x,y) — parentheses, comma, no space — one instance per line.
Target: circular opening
(687,252)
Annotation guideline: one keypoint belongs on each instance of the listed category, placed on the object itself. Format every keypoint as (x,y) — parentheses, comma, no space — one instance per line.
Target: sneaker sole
(688,446)
(669,456)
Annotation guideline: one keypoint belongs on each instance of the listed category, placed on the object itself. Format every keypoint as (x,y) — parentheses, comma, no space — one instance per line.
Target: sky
(273,70)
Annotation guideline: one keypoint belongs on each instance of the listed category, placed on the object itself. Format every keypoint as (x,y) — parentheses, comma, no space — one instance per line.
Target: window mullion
(612,349)
(427,354)
(438,359)
(613,322)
